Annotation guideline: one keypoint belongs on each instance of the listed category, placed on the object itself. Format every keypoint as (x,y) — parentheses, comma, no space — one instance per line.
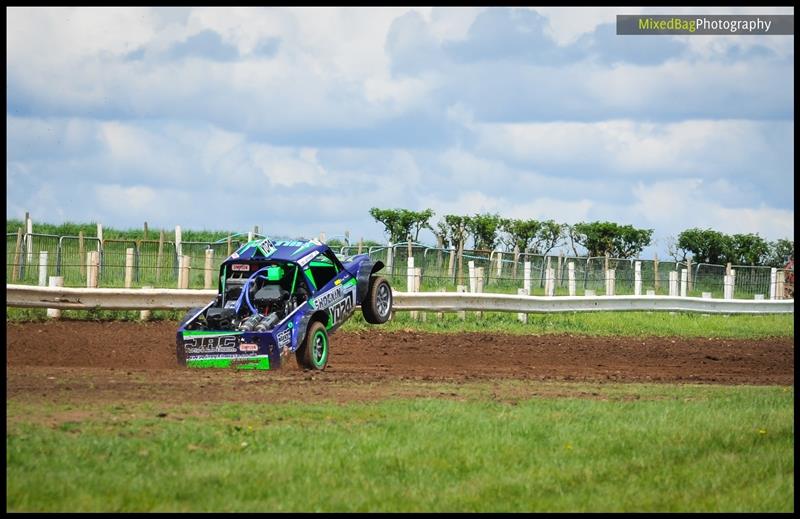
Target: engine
(264,305)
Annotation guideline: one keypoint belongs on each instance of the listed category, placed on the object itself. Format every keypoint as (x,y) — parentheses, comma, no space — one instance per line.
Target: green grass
(631,324)
(630,448)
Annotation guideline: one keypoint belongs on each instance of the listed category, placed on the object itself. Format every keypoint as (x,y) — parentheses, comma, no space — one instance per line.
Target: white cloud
(97,103)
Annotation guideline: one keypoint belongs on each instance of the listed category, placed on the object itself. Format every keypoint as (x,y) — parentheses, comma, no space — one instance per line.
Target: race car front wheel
(313,353)
(377,305)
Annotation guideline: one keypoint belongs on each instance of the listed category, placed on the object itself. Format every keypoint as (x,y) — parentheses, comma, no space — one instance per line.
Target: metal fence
(156,263)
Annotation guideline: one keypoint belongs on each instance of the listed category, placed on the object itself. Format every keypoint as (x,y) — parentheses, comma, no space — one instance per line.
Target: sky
(299,120)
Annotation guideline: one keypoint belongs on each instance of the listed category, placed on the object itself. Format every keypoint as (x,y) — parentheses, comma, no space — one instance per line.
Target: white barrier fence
(166,299)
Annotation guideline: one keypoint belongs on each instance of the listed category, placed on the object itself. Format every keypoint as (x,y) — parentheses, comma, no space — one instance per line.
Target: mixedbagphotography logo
(780,24)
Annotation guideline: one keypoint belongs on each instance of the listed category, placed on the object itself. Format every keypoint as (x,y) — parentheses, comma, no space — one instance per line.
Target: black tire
(191,313)
(377,304)
(313,353)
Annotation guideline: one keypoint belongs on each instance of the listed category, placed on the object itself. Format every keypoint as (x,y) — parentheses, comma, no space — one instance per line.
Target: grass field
(634,324)
(623,448)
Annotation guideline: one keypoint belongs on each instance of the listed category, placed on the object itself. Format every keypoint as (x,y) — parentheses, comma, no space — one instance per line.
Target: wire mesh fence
(156,263)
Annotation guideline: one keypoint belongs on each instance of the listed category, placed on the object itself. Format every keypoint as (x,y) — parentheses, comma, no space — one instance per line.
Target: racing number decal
(343,308)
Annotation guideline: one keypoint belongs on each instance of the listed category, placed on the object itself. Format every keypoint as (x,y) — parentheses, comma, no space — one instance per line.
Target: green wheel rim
(319,344)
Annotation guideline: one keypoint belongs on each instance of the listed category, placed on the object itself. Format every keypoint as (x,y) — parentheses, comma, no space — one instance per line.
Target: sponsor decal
(343,308)
(285,337)
(248,346)
(213,344)
(240,267)
(305,259)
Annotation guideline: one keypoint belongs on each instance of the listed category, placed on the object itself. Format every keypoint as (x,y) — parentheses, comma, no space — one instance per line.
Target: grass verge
(625,448)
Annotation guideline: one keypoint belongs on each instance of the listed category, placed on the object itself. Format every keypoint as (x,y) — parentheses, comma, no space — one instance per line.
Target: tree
(779,252)
(441,234)
(519,233)
(748,249)
(484,229)
(548,236)
(619,241)
(456,227)
(706,245)
(399,223)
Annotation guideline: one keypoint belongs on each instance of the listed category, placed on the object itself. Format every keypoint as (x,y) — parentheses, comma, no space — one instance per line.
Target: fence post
(551,279)
(417,283)
(440,315)
(605,261)
(655,273)
(92,260)
(733,282)
(81,253)
(360,245)
(409,252)
(479,287)
(128,267)
(28,239)
(322,237)
(726,287)
(499,265)
(673,283)
(184,271)
(99,249)
(637,278)
(390,258)
(461,259)
(779,284)
(571,277)
(230,247)
(208,268)
(55,281)
(526,276)
(773,279)
(451,268)
(42,268)
(461,289)
(144,315)
(523,317)
(411,282)
(560,270)
(610,281)
(15,271)
(684,281)
(472,281)
(689,283)
(145,231)
(516,261)
(178,240)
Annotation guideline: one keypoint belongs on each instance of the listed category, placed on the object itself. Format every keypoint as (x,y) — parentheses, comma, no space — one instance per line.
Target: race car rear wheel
(377,304)
(313,353)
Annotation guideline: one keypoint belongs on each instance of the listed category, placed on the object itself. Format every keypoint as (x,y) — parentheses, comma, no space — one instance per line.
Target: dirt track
(130,359)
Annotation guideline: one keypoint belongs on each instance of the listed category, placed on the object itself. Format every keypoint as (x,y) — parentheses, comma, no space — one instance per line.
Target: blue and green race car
(281,297)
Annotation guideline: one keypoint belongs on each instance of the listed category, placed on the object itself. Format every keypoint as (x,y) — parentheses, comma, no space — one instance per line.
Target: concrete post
(55,281)
(128,267)
(523,317)
(571,277)
(684,282)
(42,268)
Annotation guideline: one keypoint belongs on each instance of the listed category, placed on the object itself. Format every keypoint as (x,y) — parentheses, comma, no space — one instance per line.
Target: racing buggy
(281,297)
